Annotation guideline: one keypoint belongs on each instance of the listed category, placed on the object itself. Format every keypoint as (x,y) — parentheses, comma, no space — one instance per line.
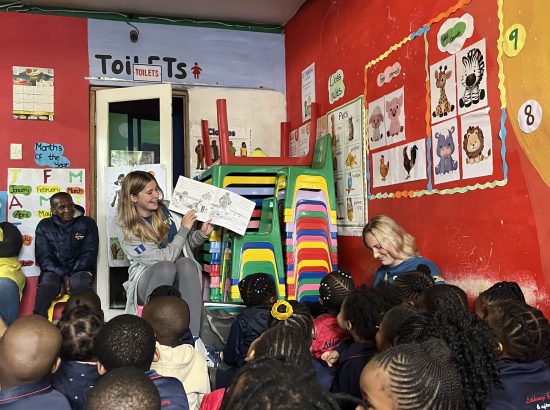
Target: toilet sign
(146,72)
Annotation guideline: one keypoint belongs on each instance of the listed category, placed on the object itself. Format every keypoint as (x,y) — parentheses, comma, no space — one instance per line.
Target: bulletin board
(29,192)
(435,107)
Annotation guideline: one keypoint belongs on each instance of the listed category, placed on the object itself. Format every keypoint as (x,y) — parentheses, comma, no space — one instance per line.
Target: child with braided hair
(390,325)
(333,290)
(414,376)
(499,291)
(523,337)
(258,293)
(412,284)
(443,298)
(474,347)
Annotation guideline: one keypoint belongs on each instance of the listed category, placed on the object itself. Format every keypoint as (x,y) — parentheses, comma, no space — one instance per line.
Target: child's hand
(189,219)
(331,357)
(207,228)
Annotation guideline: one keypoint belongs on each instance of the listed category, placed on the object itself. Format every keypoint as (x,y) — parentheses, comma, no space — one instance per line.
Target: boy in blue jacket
(66,246)
(128,340)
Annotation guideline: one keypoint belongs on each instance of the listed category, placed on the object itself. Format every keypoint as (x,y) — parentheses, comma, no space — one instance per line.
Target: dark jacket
(75,380)
(39,395)
(65,248)
(353,358)
(171,391)
(526,386)
(248,325)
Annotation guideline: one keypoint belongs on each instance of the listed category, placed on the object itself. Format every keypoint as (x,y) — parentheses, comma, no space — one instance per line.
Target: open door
(133,126)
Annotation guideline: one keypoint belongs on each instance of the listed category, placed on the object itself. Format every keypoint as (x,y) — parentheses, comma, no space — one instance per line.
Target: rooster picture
(408,163)
(384,168)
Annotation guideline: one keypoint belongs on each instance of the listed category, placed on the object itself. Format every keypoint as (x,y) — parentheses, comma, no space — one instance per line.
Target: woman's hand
(207,228)
(189,219)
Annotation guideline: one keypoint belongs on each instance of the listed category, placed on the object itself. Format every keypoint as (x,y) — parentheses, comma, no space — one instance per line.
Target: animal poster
(377,127)
(345,124)
(446,151)
(385,168)
(477,144)
(472,78)
(220,206)
(33,92)
(240,142)
(411,165)
(114,177)
(29,192)
(443,90)
(394,116)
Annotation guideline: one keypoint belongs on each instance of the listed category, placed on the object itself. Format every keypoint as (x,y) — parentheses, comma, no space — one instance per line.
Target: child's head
(413,376)
(412,284)
(169,317)
(389,327)
(87,298)
(361,313)
(258,289)
(273,384)
(499,291)
(125,340)
(29,350)
(334,288)
(79,328)
(11,240)
(284,343)
(125,388)
(474,347)
(521,330)
(293,314)
(443,297)
(164,290)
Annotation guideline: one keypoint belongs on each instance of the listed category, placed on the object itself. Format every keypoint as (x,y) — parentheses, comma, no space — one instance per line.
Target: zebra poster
(472,78)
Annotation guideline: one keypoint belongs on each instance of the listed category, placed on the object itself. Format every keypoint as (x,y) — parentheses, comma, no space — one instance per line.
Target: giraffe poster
(443,90)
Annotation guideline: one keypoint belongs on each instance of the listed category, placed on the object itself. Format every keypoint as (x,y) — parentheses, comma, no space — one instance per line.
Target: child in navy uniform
(78,374)
(28,354)
(125,388)
(128,340)
(258,293)
(523,336)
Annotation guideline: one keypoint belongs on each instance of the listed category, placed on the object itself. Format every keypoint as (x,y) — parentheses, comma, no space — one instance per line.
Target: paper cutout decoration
(472,78)
(443,89)
(446,151)
(377,127)
(412,161)
(50,155)
(530,116)
(336,86)
(477,144)
(389,74)
(514,40)
(394,110)
(454,32)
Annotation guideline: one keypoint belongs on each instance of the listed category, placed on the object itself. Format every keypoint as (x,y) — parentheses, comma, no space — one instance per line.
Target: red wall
(476,238)
(48,42)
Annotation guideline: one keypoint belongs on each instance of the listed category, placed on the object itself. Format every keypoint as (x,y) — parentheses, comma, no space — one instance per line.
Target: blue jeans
(9,300)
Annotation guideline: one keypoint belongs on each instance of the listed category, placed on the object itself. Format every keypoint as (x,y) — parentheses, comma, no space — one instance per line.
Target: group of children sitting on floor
(406,345)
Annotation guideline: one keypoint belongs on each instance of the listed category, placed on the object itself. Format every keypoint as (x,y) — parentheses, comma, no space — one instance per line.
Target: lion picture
(473,144)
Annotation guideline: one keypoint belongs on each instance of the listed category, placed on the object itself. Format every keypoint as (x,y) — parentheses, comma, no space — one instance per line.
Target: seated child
(523,337)
(391,323)
(12,279)
(258,293)
(412,284)
(499,291)
(125,388)
(169,317)
(87,298)
(77,374)
(333,290)
(128,340)
(443,298)
(413,376)
(295,315)
(360,314)
(28,354)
